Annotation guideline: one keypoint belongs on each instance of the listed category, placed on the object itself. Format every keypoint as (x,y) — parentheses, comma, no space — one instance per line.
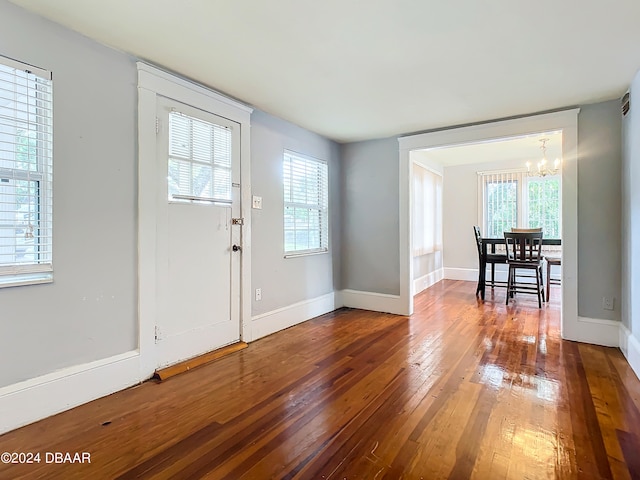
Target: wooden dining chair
(526,230)
(551,261)
(492,259)
(524,252)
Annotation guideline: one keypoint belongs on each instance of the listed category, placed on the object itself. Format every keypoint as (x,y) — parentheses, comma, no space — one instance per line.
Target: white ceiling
(518,150)
(355,70)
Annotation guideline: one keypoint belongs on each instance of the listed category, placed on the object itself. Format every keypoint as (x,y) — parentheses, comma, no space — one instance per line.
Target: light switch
(257,202)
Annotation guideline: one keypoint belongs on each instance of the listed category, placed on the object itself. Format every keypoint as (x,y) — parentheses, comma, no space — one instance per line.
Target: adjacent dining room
(468,197)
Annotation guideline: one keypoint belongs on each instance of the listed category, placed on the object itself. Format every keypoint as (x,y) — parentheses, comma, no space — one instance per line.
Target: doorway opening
(564,122)
(497,186)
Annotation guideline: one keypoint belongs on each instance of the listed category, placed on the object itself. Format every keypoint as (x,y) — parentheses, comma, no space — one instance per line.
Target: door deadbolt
(236,248)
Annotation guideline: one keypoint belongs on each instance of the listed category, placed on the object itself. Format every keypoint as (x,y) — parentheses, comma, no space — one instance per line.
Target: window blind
(427,211)
(26,171)
(500,200)
(199,160)
(509,199)
(306,192)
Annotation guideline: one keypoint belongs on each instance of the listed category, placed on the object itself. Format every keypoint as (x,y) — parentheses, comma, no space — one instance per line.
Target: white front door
(197,265)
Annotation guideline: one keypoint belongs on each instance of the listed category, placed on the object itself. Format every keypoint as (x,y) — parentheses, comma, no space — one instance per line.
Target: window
(199,160)
(427,211)
(543,205)
(513,199)
(306,192)
(26,164)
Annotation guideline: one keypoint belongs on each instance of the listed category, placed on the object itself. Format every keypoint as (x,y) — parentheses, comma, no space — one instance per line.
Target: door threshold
(198,361)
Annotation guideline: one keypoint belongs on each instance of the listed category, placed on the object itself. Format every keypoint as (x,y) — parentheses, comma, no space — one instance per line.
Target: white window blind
(500,201)
(427,211)
(26,173)
(306,193)
(511,199)
(199,160)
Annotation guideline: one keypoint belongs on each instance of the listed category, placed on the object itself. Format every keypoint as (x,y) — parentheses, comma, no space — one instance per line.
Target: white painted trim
(159,80)
(466,274)
(285,317)
(377,302)
(630,346)
(426,281)
(37,398)
(598,332)
(567,122)
(153,82)
(471,274)
(486,132)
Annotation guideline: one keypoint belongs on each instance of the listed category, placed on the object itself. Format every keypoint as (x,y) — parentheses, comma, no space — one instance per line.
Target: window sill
(25,279)
(305,253)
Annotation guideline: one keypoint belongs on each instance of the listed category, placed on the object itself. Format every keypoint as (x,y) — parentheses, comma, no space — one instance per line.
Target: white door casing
(152,84)
(567,122)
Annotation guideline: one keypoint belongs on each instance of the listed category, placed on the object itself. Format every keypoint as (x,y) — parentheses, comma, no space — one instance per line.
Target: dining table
(492,242)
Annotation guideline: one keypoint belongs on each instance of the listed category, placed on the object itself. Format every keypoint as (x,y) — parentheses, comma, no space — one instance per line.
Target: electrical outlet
(257,202)
(607,303)
(258,294)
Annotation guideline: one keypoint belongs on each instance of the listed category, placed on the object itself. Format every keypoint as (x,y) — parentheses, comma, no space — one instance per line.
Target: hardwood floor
(461,389)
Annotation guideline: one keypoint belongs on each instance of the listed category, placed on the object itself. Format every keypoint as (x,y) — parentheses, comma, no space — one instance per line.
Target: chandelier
(542,167)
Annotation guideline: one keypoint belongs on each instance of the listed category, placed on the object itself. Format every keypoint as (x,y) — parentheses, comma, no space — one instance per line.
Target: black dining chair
(552,260)
(492,259)
(524,252)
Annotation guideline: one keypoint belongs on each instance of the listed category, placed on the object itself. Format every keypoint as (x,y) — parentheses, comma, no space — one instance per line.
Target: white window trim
(13,275)
(313,251)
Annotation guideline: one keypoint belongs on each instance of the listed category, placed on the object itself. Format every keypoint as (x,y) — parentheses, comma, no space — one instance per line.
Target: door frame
(567,121)
(153,82)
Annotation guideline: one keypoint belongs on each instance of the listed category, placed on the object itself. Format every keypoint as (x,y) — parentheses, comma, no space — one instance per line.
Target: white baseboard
(466,274)
(630,347)
(281,318)
(377,302)
(596,331)
(471,274)
(32,400)
(424,282)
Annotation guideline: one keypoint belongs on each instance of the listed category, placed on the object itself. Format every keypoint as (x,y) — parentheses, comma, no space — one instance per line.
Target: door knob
(236,248)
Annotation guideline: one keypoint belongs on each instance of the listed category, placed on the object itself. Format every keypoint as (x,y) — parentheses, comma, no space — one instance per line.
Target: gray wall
(631,217)
(285,281)
(89,312)
(599,204)
(370,228)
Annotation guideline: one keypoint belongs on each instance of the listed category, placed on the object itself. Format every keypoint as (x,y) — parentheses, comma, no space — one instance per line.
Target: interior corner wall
(89,311)
(599,209)
(287,281)
(370,219)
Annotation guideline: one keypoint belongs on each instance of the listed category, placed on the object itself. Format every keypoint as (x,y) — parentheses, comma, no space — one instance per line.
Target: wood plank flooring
(461,389)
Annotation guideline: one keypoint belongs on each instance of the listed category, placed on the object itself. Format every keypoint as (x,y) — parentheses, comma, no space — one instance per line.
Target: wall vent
(625,104)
